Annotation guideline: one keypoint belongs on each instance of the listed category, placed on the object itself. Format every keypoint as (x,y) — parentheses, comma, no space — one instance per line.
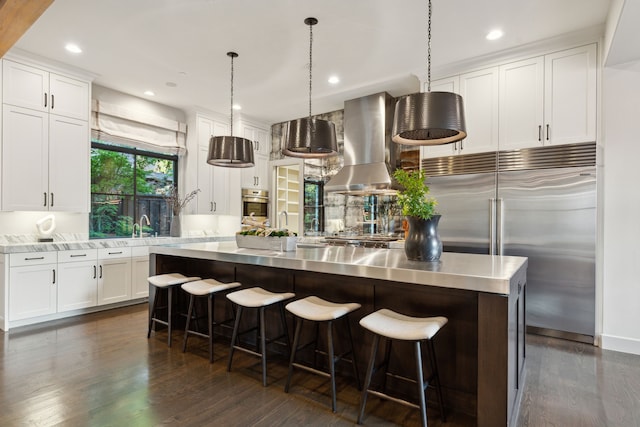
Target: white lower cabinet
(32,284)
(139,272)
(114,275)
(78,279)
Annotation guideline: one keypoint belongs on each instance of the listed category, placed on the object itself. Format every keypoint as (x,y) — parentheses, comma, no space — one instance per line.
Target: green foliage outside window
(121,192)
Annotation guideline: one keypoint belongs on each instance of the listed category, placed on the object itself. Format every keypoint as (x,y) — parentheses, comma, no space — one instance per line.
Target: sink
(311,245)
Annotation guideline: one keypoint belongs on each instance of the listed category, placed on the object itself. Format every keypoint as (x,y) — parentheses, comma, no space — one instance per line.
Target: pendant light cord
(429,50)
(231,110)
(310,73)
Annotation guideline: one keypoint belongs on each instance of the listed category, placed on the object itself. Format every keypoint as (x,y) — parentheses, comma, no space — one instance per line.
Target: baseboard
(622,344)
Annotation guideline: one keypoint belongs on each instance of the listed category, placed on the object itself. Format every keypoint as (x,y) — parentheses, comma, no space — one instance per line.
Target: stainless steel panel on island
(480,351)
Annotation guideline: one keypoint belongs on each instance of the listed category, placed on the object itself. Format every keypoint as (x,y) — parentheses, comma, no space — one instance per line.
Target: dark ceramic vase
(175,226)
(423,241)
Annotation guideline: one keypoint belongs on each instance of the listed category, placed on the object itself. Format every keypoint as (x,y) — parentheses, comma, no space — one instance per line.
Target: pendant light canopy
(429,118)
(230,151)
(308,137)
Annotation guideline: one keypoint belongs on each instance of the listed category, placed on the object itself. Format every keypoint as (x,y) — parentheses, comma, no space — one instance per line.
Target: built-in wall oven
(255,203)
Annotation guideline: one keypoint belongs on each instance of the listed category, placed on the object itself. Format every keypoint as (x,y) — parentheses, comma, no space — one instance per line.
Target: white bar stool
(395,326)
(317,310)
(204,288)
(168,281)
(257,298)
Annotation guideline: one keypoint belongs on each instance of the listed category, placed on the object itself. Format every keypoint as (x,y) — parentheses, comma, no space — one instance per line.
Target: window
(127,183)
(314,206)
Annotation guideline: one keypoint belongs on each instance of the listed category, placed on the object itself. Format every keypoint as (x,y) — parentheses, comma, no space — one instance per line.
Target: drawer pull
(34,258)
(115,253)
(76,256)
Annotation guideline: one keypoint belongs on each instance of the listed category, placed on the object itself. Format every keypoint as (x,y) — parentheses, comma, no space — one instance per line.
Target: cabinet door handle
(257,145)
(210,206)
(54,276)
(547,131)
(461,145)
(45,99)
(95,272)
(215,206)
(45,199)
(539,132)
(100,272)
(52,199)
(34,258)
(52,101)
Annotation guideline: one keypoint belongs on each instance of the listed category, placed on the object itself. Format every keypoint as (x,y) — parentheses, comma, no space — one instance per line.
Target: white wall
(621,257)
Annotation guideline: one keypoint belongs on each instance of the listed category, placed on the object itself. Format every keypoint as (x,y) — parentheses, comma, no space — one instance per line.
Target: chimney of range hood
(370,157)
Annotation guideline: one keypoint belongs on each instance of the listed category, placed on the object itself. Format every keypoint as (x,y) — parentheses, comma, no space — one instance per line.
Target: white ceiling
(373,45)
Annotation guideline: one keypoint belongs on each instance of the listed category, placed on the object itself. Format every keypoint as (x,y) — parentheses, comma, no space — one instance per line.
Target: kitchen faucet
(139,225)
(146,218)
(286,219)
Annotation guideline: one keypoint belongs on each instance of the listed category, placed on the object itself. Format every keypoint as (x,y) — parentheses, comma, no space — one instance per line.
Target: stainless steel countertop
(482,273)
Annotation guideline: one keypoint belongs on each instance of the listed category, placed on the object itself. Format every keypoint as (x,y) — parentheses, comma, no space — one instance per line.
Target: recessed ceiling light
(149,93)
(73,48)
(334,80)
(237,107)
(494,34)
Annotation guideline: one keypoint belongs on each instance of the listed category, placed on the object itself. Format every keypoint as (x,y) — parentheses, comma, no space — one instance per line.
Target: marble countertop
(482,273)
(63,245)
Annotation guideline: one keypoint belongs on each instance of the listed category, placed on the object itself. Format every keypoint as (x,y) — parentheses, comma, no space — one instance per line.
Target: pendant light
(230,151)
(429,118)
(310,137)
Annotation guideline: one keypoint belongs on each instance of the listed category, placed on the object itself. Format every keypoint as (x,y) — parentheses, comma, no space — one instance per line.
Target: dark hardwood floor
(100,370)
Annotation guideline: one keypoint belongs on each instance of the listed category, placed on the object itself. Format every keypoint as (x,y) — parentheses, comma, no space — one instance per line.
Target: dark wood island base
(480,352)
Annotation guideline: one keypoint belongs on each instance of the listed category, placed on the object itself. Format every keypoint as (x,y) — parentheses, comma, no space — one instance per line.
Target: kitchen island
(480,351)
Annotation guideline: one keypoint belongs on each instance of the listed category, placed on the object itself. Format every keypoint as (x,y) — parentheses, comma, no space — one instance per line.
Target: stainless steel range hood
(370,157)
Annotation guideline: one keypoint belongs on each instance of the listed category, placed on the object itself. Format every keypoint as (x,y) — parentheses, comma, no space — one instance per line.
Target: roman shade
(133,128)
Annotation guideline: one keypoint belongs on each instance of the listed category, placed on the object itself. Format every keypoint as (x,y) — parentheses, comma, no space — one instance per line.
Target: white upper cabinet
(257,176)
(219,186)
(479,91)
(38,89)
(45,140)
(549,100)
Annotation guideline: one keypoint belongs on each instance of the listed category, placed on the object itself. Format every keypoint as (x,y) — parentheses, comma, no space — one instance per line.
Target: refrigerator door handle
(500,225)
(492,226)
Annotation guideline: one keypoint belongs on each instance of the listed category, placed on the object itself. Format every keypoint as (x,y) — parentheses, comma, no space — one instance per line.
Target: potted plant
(422,242)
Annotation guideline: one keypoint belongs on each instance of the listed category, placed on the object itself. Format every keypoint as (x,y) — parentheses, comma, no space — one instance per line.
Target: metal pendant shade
(309,137)
(429,118)
(230,151)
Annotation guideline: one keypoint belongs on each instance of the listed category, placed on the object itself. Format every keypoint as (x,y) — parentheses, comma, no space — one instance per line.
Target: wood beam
(16,16)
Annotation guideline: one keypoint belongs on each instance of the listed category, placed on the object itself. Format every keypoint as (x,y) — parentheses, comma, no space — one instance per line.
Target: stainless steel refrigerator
(539,203)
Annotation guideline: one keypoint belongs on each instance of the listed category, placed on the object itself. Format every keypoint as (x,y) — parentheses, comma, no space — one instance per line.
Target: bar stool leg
(234,337)
(353,354)
(186,328)
(153,312)
(420,383)
(284,327)
(210,318)
(294,349)
(263,347)
(332,368)
(367,379)
(169,313)
(436,378)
